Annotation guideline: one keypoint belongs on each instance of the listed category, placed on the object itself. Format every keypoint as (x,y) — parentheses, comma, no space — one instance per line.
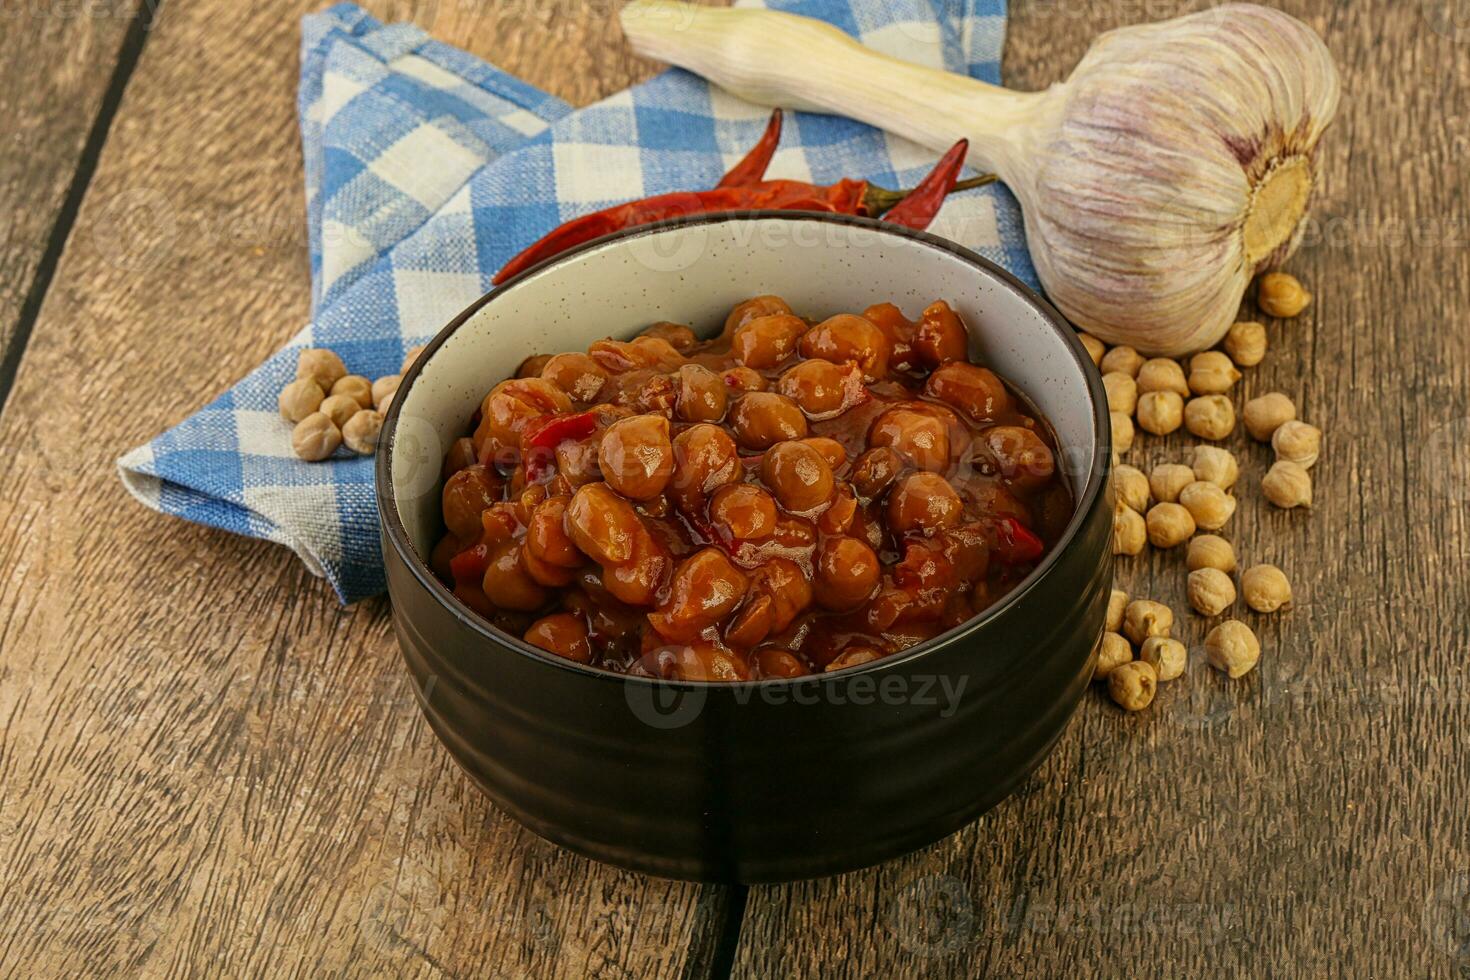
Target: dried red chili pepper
(921,204)
(1018,543)
(753,168)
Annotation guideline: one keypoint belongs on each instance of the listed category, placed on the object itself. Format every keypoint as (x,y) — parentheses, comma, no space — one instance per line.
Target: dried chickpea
(1298,442)
(315,437)
(1232,648)
(1265,588)
(299,399)
(1169,525)
(1281,295)
(1212,373)
(1122,392)
(1133,685)
(1210,417)
(1210,551)
(1245,342)
(1166,655)
(1264,415)
(361,432)
(384,389)
(1131,487)
(409,356)
(1160,412)
(1215,465)
(1113,652)
(1095,348)
(320,365)
(1209,591)
(1129,531)
(1117,602)
(1144,618)
(1162,374)
(1124,359)
(1122,431)
(356,387)
(1167,479)
(1210,506)
(339,408)
(1287,484)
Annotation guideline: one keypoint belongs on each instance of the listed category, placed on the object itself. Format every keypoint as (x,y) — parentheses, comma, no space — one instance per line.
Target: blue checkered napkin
(427,169)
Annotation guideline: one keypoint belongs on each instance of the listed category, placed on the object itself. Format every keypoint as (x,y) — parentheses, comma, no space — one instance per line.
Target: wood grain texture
(1310,819)
(56,62)
(206,766)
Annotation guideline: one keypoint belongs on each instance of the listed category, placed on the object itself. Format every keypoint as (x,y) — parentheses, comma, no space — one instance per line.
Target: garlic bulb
(1173,165)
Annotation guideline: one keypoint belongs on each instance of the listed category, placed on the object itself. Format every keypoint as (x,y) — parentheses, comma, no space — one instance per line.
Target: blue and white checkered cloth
(426,169)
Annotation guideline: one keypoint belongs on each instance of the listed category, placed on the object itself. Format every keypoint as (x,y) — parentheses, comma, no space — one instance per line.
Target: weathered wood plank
(206,766)
(1309,821)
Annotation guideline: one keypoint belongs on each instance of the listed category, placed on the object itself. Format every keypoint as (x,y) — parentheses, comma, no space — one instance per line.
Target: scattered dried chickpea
(409,356)
(1095,348)
(1166,655)
(1122,392)
(1112,652)
(1160,412)
(1287,484)
(339,408)
(1162,374)
(1169,525)
(1131,486)
(1167,479)
(1298,442)
(320,365)
(315,437)
(1281,295)
(1212,373)
(1129,530)
(1245,342)
(1117,602)
(1264,415)
(1210,417)
(1210,551)
(1232,648)
(1124,359)
(1216,465)
(1210,591)
(1143,618)
(1266,588)
(361,432)
(356,387)
(1133,685)
(1210,506)
(299,399)
(1122,431)
(384,389)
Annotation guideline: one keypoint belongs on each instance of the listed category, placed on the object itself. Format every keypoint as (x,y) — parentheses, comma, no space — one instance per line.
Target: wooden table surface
(207,767)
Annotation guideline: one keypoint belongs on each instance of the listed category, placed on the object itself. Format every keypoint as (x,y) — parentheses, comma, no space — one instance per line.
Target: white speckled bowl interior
(694,273)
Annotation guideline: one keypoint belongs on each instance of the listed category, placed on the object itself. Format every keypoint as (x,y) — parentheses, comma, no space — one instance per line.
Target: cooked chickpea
(768,340)
(510,407)
(1113,652)
(1297,442)
(874,472)
(1167,479)
(1124,359)
(741,378)
(798,476)
(1166,655)
(639,580)
(848,337)
(603,524)
(1266,588)
(705,588)
(563,634)
(1246,343)
(1210,551)
(1210,417)
(1210,591)
(763,418)
(339,408)
(1022,457)
(700,395)
(320,365)
(923,502)
(1122,431)
(756,306)
(1232,648)
(830,449)
(577,374)
(743,511)
(854,656)
(676,335)
(705,458)
(636,456)
(1169,525)
(1095,348)
(1287,484)
(467,494)
(847,571)
(1129,531)
(1131,486)
(356,387)
(1281,295)
(1210,506)
(821,388)
(299,399)
(974,390)
(1122,392)
(918,436)
(383,391)
(773,662)
(1215,465)
(1160,412)
(315,437)
(546,534)
(361,432)
(506,582)
(1162,374)
(1117,602)
(940,336)
(1211,373)
(1264,415)
(409,356)
(1144,618)
(1133,685)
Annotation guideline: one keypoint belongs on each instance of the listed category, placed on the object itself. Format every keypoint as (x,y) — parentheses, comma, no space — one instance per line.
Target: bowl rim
(397,535)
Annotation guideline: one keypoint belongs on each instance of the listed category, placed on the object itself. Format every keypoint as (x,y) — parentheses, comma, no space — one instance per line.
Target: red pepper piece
(922,203)
(1018,544)
(468,567)
(539,441)
(753,168)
